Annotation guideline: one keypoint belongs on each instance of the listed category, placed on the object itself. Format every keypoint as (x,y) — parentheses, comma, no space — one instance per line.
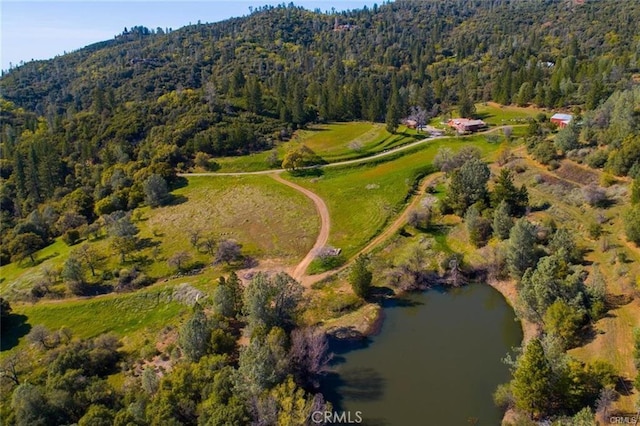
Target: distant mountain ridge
(149,102)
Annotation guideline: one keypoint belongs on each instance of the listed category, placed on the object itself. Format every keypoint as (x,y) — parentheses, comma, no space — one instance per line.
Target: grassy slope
(16,276)
(330,141)
(269,219)
(613,339)
(123,314)
(358,213)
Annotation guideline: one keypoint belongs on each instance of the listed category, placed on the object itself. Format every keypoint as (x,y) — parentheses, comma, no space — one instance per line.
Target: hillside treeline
(83,132)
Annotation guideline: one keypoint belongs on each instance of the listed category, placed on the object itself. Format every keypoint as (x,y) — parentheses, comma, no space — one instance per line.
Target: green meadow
(362,199)
(332,142)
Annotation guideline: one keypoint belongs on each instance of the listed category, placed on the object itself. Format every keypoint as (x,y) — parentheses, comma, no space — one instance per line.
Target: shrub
(597,159)
(595,230)
(71,237)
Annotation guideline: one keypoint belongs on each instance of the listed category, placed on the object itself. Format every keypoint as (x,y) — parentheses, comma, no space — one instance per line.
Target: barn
(562,120)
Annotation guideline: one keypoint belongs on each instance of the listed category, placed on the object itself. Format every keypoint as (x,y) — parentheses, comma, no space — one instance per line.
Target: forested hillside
(93,200)
(147,101)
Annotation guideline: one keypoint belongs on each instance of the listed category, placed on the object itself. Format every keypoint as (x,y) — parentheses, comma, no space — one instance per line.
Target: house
(466,125)
(561,120)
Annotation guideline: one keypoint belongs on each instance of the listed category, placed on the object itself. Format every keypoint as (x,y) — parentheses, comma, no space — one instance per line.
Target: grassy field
(15,277)
(362,199)
(130,316)
(498,115)
(269,219)
(332,142)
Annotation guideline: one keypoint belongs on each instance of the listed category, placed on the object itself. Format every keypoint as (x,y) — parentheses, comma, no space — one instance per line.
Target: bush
(595,196)
(326,263)
(595,230)
(502,397)
(148,351)
(607,180)
(597,159)
(632,224)
(544,152)
(71,237)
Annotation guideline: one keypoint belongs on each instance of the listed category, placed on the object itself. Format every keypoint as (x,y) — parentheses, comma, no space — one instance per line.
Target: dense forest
(83,132)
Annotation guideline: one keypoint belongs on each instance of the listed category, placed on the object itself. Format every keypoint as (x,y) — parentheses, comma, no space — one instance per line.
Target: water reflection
(437,360)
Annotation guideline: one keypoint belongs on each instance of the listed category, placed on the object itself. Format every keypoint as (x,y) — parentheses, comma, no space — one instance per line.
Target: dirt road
(325,226)
(346,162)
(388,232)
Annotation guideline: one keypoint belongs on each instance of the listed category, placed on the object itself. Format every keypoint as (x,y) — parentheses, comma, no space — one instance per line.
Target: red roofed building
(466,125)
(562,120)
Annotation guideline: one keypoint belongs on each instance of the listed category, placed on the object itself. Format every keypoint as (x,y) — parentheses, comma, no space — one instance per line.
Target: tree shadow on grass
(614,301)
(147,242)
(175,200)
(483,115)
(545,205)
(179,182)
(98,289)
(585,336)
(624,386)
(13,328)
(313,171)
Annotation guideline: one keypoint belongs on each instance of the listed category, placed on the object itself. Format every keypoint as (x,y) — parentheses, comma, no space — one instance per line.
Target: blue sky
(33,29)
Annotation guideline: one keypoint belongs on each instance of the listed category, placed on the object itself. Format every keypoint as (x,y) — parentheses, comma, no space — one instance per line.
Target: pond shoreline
(530,330)
(368,320)
(420,328)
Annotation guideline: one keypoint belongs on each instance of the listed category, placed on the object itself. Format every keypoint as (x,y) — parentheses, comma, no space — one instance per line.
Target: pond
(436,361)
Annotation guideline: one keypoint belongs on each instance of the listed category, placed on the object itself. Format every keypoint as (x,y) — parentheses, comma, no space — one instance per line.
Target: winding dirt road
(325,226)
(388,232)
(325,222)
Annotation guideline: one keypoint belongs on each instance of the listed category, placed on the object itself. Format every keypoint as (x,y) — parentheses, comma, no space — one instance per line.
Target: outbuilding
(562,120)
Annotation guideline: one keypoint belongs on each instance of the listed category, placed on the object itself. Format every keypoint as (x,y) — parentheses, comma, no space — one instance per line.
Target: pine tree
(195,335)
(505,190)
(478,227)
(227,297)
(502,221)
(521,248)
(532,383)
(468,185)
(392,118)
(467,108)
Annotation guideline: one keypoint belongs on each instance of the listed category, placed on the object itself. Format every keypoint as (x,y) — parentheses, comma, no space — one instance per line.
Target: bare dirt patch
(576,173)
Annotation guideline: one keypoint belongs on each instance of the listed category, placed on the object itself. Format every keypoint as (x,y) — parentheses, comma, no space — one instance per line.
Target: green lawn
(332,142)
(504,115)
(497,115)
(362,199)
